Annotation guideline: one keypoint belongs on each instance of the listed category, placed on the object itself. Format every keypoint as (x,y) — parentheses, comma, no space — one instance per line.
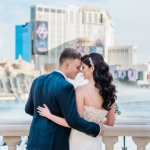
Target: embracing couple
(65,118)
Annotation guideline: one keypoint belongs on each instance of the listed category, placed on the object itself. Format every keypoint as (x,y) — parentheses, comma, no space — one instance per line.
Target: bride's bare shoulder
(80,91)
(81,87)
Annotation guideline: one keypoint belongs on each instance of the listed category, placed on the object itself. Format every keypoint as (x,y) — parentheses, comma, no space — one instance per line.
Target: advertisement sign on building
(41,37)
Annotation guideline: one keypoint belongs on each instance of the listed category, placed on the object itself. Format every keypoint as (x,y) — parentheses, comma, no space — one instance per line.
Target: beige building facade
(124,57)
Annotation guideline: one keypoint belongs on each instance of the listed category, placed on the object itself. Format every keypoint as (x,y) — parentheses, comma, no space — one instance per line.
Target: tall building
(53,29)
(23,41)
(124,57)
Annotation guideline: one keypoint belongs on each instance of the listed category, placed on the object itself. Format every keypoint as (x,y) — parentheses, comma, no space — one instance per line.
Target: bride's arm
(45,112)
(110,118)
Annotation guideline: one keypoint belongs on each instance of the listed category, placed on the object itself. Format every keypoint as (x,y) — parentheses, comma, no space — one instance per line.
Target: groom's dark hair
(69,53)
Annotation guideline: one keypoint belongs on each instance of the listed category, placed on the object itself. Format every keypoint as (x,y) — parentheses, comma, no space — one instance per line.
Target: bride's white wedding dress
(82,141)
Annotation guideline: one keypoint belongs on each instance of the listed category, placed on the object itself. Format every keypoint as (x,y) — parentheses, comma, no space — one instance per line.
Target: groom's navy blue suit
(59,95)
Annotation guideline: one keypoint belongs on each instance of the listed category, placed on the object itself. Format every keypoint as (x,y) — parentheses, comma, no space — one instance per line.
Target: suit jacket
(59,95)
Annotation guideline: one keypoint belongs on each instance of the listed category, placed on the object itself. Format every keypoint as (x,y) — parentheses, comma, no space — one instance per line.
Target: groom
(59,95)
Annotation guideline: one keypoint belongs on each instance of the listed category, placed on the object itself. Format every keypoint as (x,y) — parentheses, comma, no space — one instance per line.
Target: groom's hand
(101,128)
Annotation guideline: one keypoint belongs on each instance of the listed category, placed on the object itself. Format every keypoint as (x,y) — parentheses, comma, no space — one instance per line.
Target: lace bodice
(94,114)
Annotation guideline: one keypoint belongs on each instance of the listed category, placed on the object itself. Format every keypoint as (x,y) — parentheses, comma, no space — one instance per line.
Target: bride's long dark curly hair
(102,77)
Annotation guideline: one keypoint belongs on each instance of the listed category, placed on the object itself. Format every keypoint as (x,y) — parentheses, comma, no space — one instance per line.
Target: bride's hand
(102,128)
(44,111)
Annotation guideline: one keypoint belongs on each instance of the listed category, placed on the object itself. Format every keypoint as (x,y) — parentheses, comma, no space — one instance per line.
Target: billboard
(92,43)
(41,37)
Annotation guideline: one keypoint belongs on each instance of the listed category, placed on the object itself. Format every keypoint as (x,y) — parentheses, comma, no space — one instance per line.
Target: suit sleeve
(29,107)
(68,107)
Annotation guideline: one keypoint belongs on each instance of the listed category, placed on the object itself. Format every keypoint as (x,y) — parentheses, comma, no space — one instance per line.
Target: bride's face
(87,72)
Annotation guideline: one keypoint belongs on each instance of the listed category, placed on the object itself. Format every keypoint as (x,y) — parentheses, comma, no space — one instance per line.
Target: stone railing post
(11,141)
(109,142)
(141,142)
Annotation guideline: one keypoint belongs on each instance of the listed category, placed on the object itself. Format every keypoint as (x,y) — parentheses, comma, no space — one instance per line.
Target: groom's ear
(66,64)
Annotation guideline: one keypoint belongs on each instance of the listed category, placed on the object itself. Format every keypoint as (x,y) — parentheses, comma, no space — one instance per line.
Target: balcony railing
(12,130)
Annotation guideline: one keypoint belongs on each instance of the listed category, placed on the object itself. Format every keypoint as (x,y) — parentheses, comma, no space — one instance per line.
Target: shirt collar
(61,73)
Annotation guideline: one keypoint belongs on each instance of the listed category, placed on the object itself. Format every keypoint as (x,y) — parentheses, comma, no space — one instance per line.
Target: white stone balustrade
(12,130)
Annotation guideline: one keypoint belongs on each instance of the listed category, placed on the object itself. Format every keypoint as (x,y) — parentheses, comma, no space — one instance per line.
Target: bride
(95,102)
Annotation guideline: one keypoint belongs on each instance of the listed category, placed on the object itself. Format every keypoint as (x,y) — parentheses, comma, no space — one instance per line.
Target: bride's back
(91,95)
(93,101)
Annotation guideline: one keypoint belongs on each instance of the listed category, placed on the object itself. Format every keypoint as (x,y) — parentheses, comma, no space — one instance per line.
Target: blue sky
(131,19)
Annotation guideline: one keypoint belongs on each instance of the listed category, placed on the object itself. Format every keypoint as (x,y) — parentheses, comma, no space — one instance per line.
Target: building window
(90,18)
(83,17)
(52,10)
(39,9)
(46,9)
(58,11)
(101,18)
(95,18)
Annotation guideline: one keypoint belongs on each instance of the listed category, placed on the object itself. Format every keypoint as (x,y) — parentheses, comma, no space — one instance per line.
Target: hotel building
(23,42)
(53,29)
